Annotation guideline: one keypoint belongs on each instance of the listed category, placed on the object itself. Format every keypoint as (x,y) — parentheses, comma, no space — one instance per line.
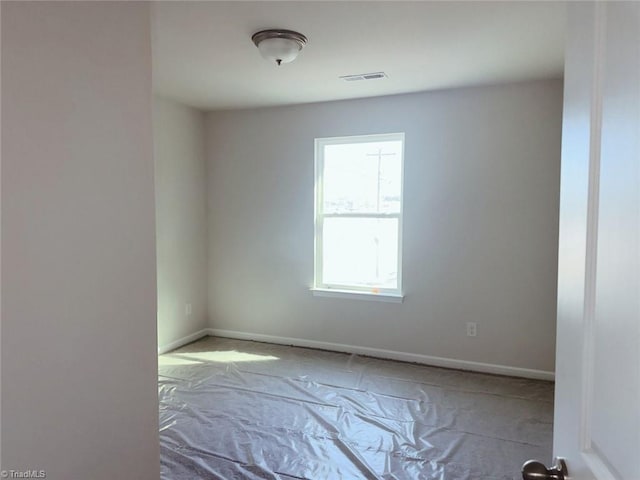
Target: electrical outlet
(187,309)
(472,329)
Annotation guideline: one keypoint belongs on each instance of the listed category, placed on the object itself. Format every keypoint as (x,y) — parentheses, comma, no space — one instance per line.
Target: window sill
(358,295)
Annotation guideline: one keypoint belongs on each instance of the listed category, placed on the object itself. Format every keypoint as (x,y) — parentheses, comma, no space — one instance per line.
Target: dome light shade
(279,46)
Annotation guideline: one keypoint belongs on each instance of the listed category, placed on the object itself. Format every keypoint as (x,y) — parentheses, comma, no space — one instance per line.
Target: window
(358,210)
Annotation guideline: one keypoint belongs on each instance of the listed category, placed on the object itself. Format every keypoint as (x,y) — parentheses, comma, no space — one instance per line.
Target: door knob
(534,470)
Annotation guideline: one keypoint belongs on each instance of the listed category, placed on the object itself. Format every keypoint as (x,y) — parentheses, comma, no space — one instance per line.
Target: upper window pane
(362,177)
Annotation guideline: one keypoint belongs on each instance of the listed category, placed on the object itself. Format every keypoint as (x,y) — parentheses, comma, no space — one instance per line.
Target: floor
(233,409)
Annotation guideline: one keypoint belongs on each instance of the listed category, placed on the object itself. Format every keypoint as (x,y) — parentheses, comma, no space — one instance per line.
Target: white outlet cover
(472,329)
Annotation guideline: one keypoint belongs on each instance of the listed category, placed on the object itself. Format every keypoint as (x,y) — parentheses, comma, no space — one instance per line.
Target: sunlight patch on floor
(229,356)
(170,360)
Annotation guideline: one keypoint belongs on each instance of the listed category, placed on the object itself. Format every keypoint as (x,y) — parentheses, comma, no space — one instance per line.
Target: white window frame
(353,291)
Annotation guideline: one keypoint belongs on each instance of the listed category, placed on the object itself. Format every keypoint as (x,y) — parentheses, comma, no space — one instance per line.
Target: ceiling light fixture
(279,46)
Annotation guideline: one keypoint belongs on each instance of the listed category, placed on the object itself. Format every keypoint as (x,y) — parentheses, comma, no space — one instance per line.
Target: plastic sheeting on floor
(232,409)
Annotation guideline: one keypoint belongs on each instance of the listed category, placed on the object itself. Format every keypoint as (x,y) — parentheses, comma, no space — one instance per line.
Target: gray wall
(480,226)
(181,219)
(79,363)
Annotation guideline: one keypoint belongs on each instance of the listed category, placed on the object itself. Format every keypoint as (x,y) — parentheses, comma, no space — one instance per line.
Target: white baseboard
(390,354)
(183,341)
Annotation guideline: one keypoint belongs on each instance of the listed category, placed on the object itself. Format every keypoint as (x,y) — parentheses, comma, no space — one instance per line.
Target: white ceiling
(203,54)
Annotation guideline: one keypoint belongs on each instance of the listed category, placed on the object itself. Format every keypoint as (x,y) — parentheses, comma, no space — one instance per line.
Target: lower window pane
(360,252)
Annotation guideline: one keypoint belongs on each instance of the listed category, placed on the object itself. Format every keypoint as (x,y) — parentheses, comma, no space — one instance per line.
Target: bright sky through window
(359,213)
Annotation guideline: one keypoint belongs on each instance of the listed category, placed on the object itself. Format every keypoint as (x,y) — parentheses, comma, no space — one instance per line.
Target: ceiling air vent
(364,76)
